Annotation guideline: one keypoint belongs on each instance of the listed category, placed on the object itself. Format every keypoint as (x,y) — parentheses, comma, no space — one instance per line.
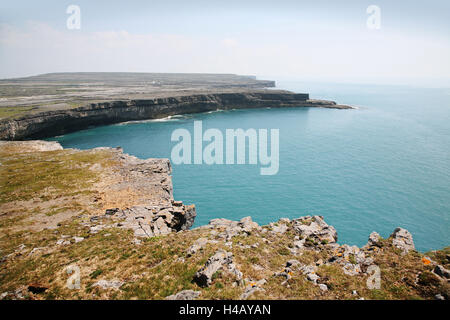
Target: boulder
(315,228)
(439,297)
(442,272)
(186,219)
(154,220)
(323,287)
(37,288)
(220,222)
(62,242)
(280,228)
(299,244)
(250,291)
(111,212)
(402,239)
(78,239)
(233,228)
(198,245)
(351,269)
(374,240)
(221,260)
(306,269)
(96,229)
(247,224)
(160,227)
(251,288)
(292,263)
(37,250)
(235,271)
(312,277)
(177,203)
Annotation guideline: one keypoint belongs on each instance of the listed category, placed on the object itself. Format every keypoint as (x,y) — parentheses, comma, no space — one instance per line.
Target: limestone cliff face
(135,193)
(51,123)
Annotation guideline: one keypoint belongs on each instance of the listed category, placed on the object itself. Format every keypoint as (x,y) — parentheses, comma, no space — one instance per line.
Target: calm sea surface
(384,165)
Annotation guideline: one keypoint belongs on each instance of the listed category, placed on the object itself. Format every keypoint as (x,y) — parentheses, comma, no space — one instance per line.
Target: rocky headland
(57,122)
(53,104)
(100,224)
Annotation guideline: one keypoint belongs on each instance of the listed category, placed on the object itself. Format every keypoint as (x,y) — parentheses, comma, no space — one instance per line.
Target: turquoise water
(384,165)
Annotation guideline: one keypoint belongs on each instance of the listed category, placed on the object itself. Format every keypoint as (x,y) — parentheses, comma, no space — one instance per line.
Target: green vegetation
(12,112)
(95,274)
(52,175)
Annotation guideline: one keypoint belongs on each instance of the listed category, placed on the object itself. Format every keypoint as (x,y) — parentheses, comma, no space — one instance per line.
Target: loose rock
(184,295)
(221,260)
(198,245)
(402,239)
(316,229)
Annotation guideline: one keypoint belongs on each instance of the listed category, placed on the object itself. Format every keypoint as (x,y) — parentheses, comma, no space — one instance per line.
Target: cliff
(100,224)
(57,122)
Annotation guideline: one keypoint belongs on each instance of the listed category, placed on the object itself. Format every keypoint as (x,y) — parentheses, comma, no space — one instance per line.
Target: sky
(327,41)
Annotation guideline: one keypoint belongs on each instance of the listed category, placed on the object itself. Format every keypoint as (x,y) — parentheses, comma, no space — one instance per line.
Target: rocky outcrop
(442,272)
(51,123)
(152,220)
(402,239)
(314,229)
(143,190)
(312,233)
(228,229)
(198,245)
(374,240)
(221,260)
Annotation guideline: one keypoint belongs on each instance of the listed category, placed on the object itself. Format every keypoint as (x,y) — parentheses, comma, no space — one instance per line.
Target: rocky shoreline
(57,122)
(129,233)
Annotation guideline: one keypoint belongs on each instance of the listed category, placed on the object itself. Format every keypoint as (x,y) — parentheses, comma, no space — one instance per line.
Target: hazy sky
(307,40)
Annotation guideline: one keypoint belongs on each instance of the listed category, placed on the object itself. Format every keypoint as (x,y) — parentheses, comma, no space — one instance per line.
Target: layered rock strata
(57,122)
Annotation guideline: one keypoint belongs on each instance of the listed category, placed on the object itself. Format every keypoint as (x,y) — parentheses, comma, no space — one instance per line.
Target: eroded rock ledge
(51,123)
(148,220)
(129,192)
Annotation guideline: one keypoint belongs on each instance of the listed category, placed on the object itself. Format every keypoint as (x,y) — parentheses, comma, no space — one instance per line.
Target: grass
(47,175)
(441,256)
(152,270)
(95,274)
(12,112)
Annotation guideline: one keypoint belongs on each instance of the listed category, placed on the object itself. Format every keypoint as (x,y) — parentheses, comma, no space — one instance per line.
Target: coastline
(128,231)
(57,122)
(113,216)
